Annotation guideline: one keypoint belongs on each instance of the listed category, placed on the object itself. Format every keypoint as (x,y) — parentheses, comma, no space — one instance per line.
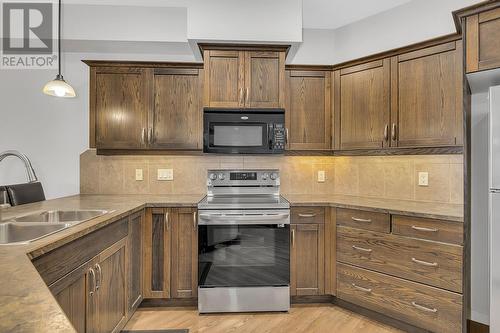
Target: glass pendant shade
(59,88)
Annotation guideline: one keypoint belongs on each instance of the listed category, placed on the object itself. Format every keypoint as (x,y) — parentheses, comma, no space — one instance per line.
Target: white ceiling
(332,14)
(317,14)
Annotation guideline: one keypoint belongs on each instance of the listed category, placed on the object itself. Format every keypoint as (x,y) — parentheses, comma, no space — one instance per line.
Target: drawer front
(302,215)
(432,263)
(434,230)
(420,305)
(361,219)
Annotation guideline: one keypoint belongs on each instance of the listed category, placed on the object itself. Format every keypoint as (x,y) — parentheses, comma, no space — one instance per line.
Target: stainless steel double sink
(28,228)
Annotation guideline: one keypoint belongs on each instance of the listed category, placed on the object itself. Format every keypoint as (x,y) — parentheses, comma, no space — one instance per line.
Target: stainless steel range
(243,243)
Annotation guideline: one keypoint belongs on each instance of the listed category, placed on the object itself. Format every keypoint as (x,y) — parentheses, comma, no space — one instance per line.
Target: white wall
(316,48)
(480,197)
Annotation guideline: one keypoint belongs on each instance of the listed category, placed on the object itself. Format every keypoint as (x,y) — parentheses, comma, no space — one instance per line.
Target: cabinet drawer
(434,230)
(308,215)
(432,263)
(423,306)
(364,220)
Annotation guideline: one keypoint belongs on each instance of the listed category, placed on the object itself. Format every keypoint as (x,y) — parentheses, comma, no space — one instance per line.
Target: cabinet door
(184,253)
(157,231)
(364,105)
(177,114)
(111,288)
(224,78)
(71,294)
(307,260)
(482,36)
(427,97)
(119,98)
(135,255)
(264,79)
(308,111)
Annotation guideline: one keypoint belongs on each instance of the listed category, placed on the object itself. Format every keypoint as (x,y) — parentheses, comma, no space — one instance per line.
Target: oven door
(240,132)
(243,248)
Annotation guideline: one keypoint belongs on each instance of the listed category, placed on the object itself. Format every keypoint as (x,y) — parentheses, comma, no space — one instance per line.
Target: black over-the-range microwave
(244,131)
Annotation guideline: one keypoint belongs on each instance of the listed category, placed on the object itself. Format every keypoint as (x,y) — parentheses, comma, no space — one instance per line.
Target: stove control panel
(243,178)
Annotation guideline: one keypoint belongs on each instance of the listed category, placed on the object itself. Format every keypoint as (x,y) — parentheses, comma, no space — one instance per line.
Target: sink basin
(61,216)
(11,233)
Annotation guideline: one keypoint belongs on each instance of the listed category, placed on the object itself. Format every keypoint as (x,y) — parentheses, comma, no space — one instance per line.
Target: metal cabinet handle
(366,290)
(194,220)
(247,95)
(98,280)
(287,138)
(362,249)
(92,275)
(414,227)
(307,215)
(357,219)
(241,96)
(293,237)
(424,308)
(143,136)
(393,132)
(386,132)
(167,221)
(424,263)
(150,135)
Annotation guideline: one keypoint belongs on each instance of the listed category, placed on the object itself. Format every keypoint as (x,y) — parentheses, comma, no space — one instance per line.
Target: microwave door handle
(270,135)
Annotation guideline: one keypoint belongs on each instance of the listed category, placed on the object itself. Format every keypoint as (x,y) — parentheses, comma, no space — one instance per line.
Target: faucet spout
(30,172)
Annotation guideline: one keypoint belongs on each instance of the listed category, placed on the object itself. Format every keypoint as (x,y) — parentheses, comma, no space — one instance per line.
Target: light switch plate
(423,179)
(321,176)
(139,175)
(165,174)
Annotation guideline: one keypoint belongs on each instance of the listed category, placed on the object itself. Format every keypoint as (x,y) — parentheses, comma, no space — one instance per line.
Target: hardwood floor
(301,318)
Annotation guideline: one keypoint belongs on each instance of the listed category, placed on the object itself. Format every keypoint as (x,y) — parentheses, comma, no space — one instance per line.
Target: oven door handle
(212,219)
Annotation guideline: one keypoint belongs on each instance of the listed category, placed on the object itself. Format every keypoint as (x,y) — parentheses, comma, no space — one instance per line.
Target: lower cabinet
(93,296)
(135,253)
(307,251)
(170,253)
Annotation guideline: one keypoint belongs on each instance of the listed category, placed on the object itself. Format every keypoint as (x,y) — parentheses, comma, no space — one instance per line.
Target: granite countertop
(26,304)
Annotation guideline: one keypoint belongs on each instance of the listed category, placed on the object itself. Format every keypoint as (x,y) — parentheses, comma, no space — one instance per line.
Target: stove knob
(274,176)
(221,176)
(213,176)
(265,176)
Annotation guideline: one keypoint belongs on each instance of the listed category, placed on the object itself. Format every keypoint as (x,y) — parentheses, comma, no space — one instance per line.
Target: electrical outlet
(423,179)
(139,175)
(321,176)
(165,174)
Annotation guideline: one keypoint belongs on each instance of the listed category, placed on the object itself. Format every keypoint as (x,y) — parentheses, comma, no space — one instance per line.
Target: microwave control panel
(279,137)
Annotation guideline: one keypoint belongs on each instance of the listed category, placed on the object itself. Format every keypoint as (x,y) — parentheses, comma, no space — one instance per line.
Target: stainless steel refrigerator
(494,218)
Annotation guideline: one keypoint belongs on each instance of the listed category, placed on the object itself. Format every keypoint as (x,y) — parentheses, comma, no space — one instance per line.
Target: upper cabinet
(308,109)
(244,78)
(141,106)
(364,105)
(482,36)
(427,97)
(410,100)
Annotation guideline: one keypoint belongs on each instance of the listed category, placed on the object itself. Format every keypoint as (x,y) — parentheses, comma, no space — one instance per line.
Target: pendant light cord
(59,38)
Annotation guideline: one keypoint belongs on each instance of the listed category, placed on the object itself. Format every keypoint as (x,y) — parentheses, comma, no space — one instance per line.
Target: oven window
(238,135)
(243,255)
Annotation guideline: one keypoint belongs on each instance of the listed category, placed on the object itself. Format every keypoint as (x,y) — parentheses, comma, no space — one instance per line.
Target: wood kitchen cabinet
(170,253)
(145,106)
(308,109)
(119,106)
(242,78)
(427,97)
(482,33)
(135,260)
(307,252)
(363,104)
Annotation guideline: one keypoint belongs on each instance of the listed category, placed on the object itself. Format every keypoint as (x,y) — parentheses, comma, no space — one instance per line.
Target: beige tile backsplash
(392,177)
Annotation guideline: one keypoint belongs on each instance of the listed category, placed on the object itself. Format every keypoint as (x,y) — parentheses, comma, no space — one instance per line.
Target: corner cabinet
(308,109)
(241,78)
(170,253)
(410,100)
(145,106)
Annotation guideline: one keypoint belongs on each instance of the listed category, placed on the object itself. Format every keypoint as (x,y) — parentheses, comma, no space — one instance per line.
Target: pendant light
(58,87)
